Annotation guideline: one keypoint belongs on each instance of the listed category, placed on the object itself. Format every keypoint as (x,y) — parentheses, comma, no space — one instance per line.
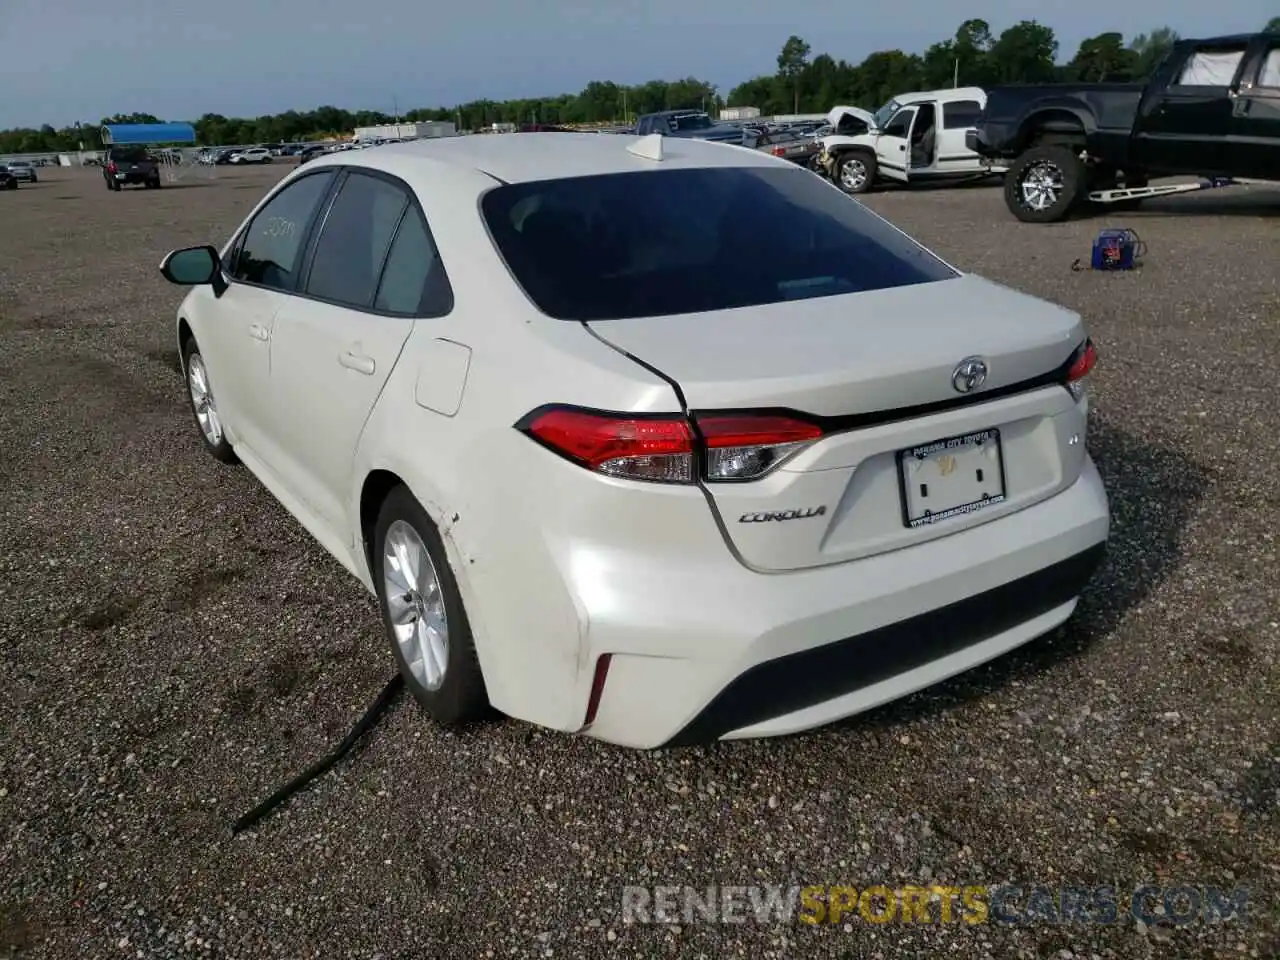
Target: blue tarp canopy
(144,133)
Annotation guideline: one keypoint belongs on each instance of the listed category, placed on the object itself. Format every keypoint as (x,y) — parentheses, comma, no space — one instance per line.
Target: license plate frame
(963,444)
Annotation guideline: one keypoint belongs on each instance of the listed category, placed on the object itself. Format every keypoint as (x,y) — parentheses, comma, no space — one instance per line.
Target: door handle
(357,362)
(259,332)
(1241,107)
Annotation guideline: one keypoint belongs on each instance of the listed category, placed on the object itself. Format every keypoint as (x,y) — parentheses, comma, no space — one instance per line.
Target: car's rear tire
(423,615)
(203,407)
(855,171)
(1043,184)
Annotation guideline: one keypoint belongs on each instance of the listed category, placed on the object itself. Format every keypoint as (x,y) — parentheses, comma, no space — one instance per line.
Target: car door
(261,268)
(922,147)
(892,144)
(1254,142)
(958,117)
(1185,128)
(334,347)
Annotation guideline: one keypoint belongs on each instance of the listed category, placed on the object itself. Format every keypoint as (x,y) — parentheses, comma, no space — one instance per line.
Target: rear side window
(414,282)
(960,114)
(1269,75)
(1210,68)
(354,240)
(685,241)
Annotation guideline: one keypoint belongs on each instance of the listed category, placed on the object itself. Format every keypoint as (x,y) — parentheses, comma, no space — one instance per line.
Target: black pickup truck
(1211,109)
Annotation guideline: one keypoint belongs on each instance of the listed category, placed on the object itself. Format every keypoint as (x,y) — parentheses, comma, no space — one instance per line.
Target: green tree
(792,63)
(885,74)
(1024,53)
(1150,49)
(1273,26)
(1102,58)
(756,92)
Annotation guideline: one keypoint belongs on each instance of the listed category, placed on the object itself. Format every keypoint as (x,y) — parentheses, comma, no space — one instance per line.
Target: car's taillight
(779,151)
(1082,364)
(619,445)
(111,167)
(747,446)
(666,448)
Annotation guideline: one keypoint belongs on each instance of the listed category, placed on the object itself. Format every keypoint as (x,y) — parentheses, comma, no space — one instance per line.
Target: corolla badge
(969,374)
(802,513)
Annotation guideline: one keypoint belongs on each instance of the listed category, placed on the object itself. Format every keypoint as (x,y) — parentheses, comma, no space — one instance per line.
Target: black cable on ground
(363,726)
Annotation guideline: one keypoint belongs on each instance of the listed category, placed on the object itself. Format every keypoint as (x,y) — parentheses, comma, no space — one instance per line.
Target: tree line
(1026,52)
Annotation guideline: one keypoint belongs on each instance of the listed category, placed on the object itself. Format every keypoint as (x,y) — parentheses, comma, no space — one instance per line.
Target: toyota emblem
(969,375)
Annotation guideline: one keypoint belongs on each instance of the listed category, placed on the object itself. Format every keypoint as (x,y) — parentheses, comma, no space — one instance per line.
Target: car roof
(946,96)
(526,157)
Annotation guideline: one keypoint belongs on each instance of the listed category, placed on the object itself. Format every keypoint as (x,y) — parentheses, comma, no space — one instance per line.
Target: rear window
(130,154)
(687,241)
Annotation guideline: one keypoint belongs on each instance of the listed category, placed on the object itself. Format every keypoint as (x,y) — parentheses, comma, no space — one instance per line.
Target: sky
(68,60)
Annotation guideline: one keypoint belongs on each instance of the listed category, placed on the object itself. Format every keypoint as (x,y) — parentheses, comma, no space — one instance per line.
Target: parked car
(788,145)
(1211,109)
(130,165)
(310,153)
(7,180)
(767,479)
(23,170)
(690,124)
(251,155)
(914,138)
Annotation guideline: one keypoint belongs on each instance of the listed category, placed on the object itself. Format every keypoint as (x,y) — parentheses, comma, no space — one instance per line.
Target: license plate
(951,477)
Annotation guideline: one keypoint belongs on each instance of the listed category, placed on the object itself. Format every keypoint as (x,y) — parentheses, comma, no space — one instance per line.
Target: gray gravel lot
(176,647)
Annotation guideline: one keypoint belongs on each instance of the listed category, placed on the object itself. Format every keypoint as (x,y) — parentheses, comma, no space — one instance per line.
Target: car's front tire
(855,171)
(423,615)
(203,406)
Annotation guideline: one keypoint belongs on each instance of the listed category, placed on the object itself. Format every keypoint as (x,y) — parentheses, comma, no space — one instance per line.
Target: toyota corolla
(655,440)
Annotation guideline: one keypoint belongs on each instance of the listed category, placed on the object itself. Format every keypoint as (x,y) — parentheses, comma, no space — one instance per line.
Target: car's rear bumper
(717,651)
(135,177)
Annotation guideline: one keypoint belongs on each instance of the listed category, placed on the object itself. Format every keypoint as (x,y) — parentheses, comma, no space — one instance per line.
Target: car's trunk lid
(861,353)
(877,369)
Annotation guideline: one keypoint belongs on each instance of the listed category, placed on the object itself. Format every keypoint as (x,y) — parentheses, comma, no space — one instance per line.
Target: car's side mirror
(194,266)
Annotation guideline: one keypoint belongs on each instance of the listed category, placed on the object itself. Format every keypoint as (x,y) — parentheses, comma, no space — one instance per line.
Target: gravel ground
(176,648)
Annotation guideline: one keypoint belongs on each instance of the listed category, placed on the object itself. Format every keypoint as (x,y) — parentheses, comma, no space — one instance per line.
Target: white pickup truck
(913,138)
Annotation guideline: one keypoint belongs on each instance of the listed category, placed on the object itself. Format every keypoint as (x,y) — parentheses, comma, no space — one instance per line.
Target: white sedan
(659,441)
